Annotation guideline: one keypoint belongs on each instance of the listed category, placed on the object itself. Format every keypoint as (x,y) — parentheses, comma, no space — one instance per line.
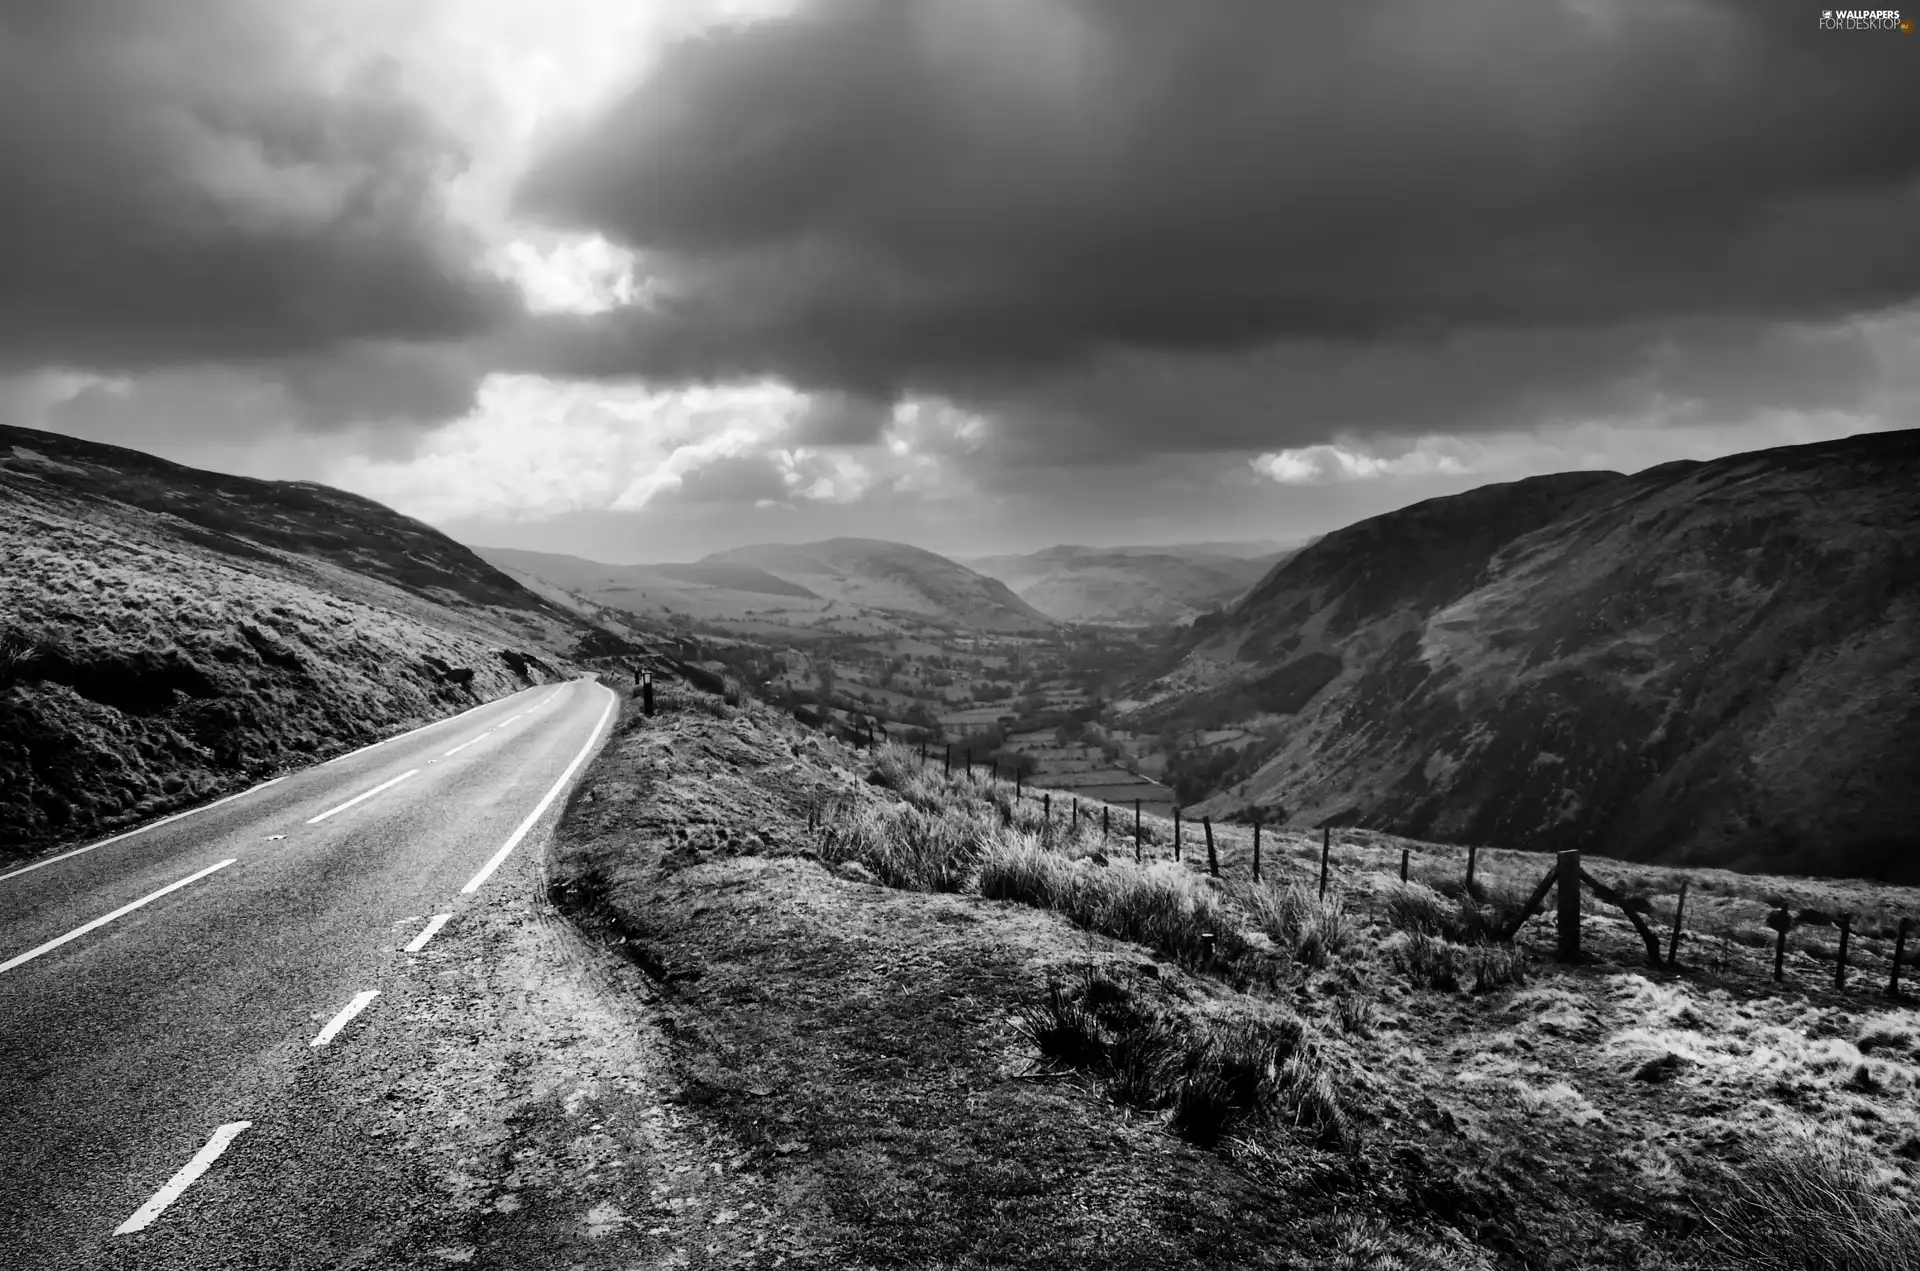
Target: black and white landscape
(946,633)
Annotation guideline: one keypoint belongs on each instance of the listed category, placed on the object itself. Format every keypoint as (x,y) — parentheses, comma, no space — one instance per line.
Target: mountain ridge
(1701,663)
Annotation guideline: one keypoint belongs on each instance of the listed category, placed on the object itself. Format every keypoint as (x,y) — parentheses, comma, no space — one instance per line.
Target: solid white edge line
(345,1017)
(189,1173)
(165,820)
(77,932)
(419,942)
(486,871)
(363,797)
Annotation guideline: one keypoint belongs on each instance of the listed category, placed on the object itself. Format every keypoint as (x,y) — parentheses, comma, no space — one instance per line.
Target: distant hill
(168,633)
(1131,585)
(709,592)
(894,578)
(1703,663)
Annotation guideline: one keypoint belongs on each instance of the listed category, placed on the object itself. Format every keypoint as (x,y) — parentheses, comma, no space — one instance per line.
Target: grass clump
(907,846)
(1811,1202)
(1214,1078)
(1459,918)
(1302,925)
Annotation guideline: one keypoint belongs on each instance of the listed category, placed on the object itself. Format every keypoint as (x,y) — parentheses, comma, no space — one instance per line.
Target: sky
(640,281)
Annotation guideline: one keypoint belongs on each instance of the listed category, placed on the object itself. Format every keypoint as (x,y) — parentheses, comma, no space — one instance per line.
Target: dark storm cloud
(192,182)
(839,419)
(1082,200)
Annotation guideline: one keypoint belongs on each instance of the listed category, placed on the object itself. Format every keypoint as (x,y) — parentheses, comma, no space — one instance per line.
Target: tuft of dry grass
(1811,1202)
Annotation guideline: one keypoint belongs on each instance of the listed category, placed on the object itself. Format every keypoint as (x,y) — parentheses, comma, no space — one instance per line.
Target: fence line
(1579,892)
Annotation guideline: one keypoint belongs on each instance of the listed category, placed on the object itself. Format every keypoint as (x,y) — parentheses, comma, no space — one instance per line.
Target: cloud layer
(860,263)
(1331,210)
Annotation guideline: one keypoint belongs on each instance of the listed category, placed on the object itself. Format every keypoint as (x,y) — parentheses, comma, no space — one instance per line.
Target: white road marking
(345,1017)
(363,797)
(496,728)
(419,942)
(423,728)
(189,1172)
(165,820)
(97,923)
(486,871)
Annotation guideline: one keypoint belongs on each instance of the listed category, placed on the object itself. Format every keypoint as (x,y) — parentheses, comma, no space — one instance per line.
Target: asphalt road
(206,1020)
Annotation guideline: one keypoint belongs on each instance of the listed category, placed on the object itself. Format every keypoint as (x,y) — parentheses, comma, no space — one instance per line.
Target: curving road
(171,1000)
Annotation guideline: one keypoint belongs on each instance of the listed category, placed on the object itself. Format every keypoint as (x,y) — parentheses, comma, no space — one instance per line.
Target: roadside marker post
(1404,854)
(1326,850)
(1104,811)
(1473,852)
(1213,862)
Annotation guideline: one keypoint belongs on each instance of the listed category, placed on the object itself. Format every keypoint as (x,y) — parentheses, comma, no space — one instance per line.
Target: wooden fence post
(1213,862)
(1256,851)
(946,762)
(1019,780)
(1105,813)
(1679,912)
(1046,816)
(1326,851)
(1136,831)
(923,752)
(1840,963)
(1473,852)
(969,758)
(1785,920)
(1176,831)
(1405,852)
(1899,948)
(1569,867)
(1076,814)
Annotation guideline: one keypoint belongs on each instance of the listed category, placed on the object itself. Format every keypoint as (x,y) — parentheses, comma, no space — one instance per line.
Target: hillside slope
(894,577)
(1127,585)
(708,592)
(168,634)
(1707,663)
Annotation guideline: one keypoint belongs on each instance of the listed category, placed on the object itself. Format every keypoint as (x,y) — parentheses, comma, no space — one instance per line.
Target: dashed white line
(411,731)
(363,797)
(482,737)
(345,1017)
(486,871)
(419,942)
(165,820)
(189,1172)
(122,911)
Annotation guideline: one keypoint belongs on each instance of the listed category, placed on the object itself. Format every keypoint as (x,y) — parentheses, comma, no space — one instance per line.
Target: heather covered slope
(1708,663)
(165,636)
(1127,584)
(893,577)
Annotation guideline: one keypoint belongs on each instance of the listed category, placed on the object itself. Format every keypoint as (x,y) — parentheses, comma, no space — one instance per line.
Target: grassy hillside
(1706,663)
(158,645)
(1141,585)
(892,577)
(928,1028)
